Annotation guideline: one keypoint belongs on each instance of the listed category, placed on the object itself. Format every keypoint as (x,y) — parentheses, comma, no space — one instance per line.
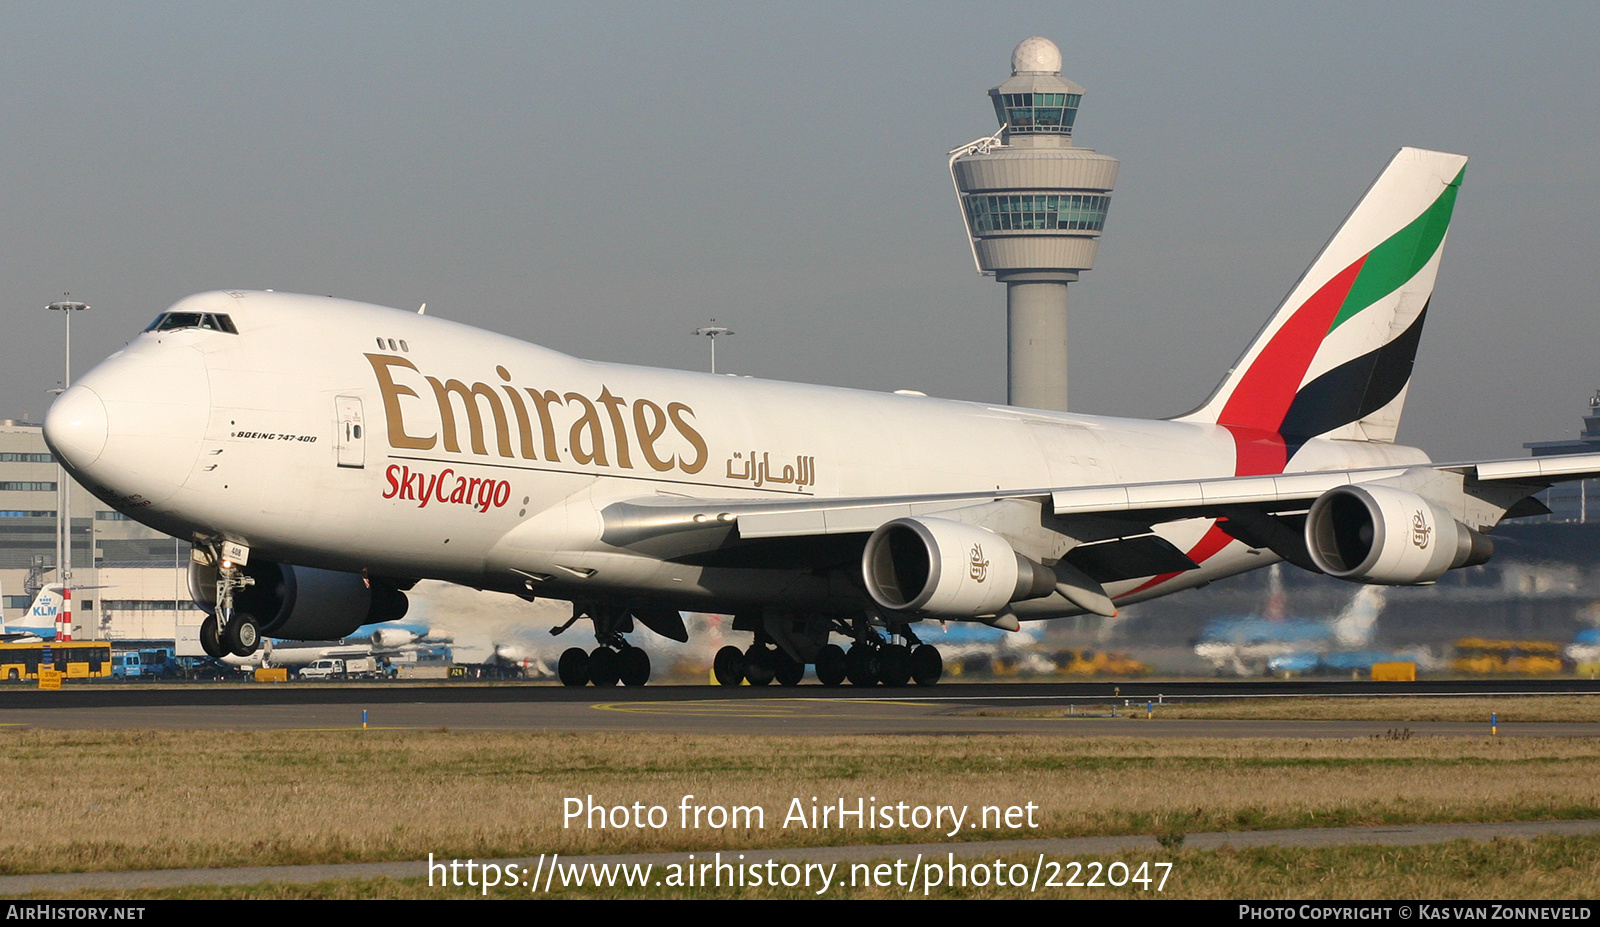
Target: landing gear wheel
(210,642)
(832,665)
(634,665)
(927,665)
(861,666)
(573,667)
(728,666)
(241,637)
(788,670)
(604,667)
(759,665)
(894,665)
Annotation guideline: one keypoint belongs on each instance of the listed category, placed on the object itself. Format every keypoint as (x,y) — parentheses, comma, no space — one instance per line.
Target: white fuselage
(358,438)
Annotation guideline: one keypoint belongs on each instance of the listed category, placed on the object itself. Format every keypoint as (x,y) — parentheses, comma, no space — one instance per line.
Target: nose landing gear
(228,631)
(242,636)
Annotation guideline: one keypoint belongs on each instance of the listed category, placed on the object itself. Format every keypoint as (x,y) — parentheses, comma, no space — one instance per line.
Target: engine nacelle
(946,569)
(1380,534)
(301,603)
(389,638)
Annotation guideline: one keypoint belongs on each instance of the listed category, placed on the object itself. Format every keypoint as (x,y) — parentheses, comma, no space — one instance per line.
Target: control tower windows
(1038,113)
(1036,212)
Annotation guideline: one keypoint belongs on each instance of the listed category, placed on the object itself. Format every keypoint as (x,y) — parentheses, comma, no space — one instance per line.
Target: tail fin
(46,605)
(1335,359)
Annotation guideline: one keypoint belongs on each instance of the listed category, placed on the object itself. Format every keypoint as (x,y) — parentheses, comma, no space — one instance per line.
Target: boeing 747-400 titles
(325,455)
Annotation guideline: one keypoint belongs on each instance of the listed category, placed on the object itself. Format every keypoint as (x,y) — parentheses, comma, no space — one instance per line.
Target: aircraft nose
(76,426)
(131,428)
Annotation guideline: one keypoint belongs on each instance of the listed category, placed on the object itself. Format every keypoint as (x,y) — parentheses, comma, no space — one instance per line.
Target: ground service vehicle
(74,659)
(127,665)
(334,668)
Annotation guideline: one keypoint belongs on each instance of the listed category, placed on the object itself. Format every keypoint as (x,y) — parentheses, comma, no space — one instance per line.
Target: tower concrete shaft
(1034,207)
(1036,335)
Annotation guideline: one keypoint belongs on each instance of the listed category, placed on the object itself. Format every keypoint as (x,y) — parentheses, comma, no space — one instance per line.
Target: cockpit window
(209,321)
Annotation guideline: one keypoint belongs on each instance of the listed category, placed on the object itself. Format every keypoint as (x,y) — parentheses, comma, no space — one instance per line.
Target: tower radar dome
(1036,55)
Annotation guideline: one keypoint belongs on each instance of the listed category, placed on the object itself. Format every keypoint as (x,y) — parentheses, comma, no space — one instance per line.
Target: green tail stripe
(1399,258)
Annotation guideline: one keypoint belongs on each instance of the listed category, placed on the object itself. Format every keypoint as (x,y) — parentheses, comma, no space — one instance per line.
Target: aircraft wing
(1108,528)
(1285,492)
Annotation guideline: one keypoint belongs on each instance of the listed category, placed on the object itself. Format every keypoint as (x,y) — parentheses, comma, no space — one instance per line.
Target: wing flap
(1272,491)
(1538,469)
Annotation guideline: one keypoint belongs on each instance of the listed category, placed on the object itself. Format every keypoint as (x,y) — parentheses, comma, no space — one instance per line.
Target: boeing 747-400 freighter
(325,455)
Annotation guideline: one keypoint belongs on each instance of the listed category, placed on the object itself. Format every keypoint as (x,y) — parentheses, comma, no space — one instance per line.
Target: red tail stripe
(1264,393)
(1257,453)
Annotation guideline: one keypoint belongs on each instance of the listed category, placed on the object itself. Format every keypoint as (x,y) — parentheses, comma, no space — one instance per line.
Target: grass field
(1523,709)
(1502,870)
(84,801)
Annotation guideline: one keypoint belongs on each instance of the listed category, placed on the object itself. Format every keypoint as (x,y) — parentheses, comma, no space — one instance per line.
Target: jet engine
(1380,534)
(302,603)
(947,569)
(390,638)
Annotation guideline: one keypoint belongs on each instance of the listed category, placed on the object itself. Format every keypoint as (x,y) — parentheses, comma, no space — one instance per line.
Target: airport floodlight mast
(63,486)
(713,331)
(1034,206)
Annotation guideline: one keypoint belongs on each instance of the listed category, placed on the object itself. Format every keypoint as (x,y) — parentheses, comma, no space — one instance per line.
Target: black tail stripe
(1355,389)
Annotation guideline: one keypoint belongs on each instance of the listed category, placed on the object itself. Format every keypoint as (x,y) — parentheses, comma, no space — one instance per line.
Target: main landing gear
(604,666)
(870,661)
(759,665)
(614,660)
(785,643)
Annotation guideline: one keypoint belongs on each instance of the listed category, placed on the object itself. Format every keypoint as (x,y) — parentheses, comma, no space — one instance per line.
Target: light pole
(63,487)
(712,331)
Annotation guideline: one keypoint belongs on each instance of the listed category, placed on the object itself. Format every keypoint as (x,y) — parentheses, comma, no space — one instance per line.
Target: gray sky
(603,178)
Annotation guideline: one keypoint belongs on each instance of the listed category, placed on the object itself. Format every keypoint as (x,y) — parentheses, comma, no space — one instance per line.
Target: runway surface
(772,711)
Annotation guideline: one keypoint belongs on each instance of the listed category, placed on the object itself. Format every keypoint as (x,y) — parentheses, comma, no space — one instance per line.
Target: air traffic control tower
(1034,205)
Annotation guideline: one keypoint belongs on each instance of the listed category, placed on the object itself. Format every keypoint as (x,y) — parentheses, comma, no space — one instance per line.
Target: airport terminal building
(129,580)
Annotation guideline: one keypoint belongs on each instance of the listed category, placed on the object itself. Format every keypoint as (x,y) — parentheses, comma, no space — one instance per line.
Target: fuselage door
(352,442)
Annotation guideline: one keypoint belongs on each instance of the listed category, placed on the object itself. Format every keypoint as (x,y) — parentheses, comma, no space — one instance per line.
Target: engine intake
(1388,536)
(302,603)
(947,569)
